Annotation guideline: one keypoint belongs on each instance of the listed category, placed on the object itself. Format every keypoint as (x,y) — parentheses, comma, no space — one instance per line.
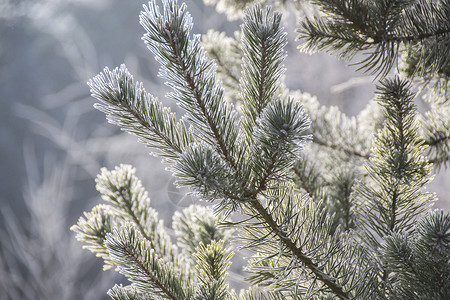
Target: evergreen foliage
(331,207)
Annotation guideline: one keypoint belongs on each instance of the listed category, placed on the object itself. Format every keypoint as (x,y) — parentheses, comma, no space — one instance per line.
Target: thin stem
(360,26)
(322,276)
(134,217)
(422,36)
(400,168)
(230,73)
(393,211)
(149,274)
(437,141)
(145,124)
(198,98)
(302,181)
(374,40)
(380,36)
(339,147)
(347,207)
(263,183)
(262,80)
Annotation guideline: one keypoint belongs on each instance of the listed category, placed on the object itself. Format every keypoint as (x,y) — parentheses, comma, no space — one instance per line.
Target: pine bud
(167,28)
(248,191)
(201,174)
(286,127)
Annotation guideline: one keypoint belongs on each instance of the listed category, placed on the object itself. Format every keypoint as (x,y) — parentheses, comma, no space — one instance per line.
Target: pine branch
(260,294)
(298,252)
(279,134)
(279,137)
(339,147)
(439,140)
(332,129)
(345,10)
(221,64)
(399,172)
(198,224)
(136,259)
(213,261)
(263,41)
(277,140)
(131,203)
(308,176)
(397,165)
(415,38)
(128,203)
(202,168)
(420,262)
(120,189)
(436,134)
(380,27)
(92,229)
(227,53)
(329,281)
(118,292)
(340,200)
(129,106)
(191,75)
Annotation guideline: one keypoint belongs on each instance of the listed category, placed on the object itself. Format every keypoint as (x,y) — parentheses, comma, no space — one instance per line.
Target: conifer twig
(326,279)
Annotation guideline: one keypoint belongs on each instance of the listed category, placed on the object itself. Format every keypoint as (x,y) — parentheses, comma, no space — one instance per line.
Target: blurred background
(53,142)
